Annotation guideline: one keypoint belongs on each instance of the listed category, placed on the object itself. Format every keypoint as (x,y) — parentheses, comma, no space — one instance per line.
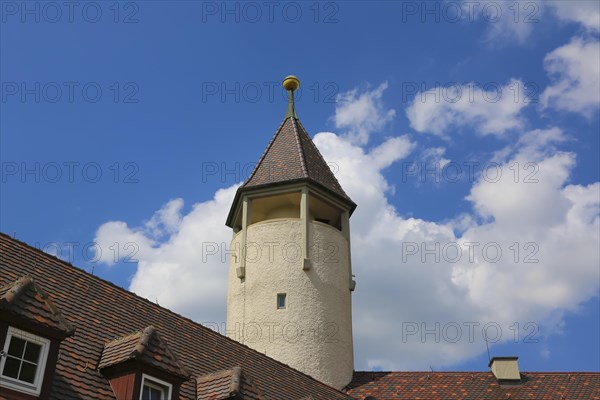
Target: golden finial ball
(290,82)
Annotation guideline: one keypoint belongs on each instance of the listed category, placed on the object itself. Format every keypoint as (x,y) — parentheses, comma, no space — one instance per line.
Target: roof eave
(351,205)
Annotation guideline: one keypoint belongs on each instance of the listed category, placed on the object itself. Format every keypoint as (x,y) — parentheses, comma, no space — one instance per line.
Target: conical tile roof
(292,156)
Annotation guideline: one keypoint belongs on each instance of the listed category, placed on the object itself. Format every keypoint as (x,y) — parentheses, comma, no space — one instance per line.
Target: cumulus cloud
(491,110)
(186,269)
(536,170)
(506,21)
(359,114)
(167,219)
(584,12)
(547,270)
(116,241)
(574,70)
(410,280)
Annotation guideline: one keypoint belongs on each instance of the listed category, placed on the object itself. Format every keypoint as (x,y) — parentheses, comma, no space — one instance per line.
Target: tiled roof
(291,156)
(101,312)
(228,384)
(145,346)
(474,385)
(25,299)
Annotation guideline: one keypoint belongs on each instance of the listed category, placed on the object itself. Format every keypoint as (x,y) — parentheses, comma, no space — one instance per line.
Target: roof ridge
(126,336)
(142,344)
(300,147)
(152,304)
(170,352)
(236,380)
(264,154)
(292,156)
(140,350)
(17,288)
(316,149)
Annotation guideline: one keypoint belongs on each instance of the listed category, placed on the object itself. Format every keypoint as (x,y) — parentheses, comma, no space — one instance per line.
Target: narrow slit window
(281,301)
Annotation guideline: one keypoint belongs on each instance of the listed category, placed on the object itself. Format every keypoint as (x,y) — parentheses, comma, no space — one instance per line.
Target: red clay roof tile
(474,385)
(291,155)
(228,384)
(26,299)
(117,313)
(145,346)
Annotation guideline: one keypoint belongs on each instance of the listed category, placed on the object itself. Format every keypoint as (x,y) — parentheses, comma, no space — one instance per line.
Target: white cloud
(545,353)
(536,171)
(575,73)
(360,114)
(549,223)
(432,159)
(185,271)
(491,110)
(392,150)
(435,155)
(551,220)
(394,296)
(584,12)
(506,21)
(116,241)
(167,219)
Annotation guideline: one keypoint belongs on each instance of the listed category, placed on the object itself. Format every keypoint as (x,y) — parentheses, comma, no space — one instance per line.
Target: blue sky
(133,123)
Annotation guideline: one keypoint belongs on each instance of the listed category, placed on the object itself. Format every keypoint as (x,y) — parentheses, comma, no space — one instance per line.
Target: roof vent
(505,369)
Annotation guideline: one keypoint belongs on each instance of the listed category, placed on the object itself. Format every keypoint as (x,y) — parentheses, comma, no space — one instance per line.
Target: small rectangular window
(155,389)
(23,362)
(280,301)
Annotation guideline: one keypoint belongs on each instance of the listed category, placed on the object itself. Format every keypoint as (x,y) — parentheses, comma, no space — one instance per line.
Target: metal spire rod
(291,83)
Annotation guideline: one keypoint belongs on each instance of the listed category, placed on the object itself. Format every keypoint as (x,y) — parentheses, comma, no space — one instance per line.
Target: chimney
(505,369)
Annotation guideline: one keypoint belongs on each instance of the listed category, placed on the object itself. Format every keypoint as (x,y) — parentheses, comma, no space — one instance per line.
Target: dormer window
(155,389)
(31,330)
(23,361)
(144,359)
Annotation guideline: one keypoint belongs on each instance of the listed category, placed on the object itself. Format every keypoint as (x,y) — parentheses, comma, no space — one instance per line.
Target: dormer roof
(145,346)
(226,385)
(104,313)
(27,301)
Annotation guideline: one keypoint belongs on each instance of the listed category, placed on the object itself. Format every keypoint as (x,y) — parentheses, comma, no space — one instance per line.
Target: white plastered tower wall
(314,332)
(290,276)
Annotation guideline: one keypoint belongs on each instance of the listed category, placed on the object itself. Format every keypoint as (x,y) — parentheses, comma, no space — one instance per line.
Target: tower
(290,277)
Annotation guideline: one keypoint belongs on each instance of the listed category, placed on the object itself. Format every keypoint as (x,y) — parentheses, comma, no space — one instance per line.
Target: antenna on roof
(431,368)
